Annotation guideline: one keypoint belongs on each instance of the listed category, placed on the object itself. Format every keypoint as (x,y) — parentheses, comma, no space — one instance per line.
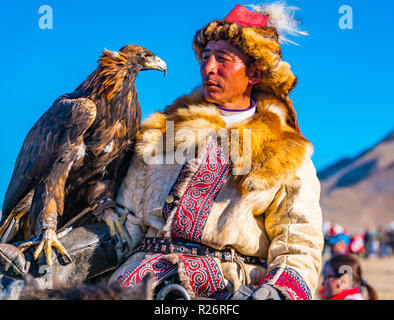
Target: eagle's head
(139,58)
(117,71)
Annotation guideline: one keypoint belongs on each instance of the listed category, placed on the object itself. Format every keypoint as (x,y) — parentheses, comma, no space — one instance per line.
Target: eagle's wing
(44,145)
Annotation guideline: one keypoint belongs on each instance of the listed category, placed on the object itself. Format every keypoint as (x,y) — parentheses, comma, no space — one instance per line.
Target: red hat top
(246,18)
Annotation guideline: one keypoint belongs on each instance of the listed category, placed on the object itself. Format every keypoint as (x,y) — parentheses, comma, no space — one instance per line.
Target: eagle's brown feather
(73,156)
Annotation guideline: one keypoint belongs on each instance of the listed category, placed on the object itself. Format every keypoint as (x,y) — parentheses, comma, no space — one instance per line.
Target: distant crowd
(363,243)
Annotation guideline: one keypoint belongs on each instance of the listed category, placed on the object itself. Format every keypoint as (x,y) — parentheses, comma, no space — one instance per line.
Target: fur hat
(258,33)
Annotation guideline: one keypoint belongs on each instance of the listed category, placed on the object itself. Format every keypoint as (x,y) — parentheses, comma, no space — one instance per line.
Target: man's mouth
(210,84)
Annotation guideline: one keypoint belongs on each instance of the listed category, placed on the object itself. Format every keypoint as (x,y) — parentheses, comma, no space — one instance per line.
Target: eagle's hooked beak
(155,63)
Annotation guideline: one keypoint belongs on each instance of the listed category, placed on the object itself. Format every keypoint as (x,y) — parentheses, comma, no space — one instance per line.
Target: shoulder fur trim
(276,149)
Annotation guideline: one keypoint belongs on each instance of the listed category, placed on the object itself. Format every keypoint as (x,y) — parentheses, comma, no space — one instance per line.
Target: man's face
(224,73)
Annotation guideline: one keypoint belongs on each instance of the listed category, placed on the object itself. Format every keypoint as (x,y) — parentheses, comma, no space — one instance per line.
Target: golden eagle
(74,156)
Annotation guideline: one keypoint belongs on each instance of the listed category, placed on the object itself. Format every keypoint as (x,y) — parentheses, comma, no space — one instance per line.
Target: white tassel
(281,17)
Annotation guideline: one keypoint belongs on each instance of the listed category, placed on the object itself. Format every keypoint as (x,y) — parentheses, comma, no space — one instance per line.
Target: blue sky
(345,76)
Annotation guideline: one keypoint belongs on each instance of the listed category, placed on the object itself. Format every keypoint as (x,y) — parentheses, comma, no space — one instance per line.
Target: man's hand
(264,292)
(267,292)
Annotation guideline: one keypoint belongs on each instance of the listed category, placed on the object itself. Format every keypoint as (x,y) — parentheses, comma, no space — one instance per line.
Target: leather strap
(176,245)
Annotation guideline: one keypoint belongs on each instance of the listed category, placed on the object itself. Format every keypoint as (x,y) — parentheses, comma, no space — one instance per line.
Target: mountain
(359,192)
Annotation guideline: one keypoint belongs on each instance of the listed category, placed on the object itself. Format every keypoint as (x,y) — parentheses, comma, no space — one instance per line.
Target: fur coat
(268,207)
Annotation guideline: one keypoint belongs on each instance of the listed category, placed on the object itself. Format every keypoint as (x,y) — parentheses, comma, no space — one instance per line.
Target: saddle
(91,248)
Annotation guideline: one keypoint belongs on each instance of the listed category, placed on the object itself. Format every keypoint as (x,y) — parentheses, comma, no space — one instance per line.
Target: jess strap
(169,245)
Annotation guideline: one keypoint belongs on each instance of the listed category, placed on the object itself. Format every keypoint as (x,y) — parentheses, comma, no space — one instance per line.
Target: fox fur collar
(277,148)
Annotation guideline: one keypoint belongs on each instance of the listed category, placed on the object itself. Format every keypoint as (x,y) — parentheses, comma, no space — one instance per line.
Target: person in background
(339,244)
(367,243)
(335,229)
(390,235)
(343,279)
(356,245)
(384,247)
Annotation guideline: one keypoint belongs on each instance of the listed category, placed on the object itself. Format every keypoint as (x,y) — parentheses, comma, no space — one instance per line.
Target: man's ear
(255,75)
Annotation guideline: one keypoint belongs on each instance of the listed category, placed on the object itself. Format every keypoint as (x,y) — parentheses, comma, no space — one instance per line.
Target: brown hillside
(359,192)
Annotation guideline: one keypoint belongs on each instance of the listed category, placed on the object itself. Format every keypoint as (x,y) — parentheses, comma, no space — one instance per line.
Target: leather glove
(264,292)
(267,292)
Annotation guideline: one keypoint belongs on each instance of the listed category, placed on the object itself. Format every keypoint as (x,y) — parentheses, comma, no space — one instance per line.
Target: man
(222,194)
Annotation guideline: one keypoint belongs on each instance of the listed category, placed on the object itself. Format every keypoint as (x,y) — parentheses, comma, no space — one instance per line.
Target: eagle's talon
(26,245)
(111,227)
(48,241)
(115,225)
(120,232)
(69,260)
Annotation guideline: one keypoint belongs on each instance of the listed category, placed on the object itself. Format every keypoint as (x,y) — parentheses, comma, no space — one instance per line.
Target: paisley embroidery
(202,273)
(205,277)
(155,264)
(290,281)
(196,202)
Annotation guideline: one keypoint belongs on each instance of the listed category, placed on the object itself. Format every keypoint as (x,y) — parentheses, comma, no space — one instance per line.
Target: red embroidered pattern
(203,273)
(196,202)
(290,281)
(155,264)
(204,276)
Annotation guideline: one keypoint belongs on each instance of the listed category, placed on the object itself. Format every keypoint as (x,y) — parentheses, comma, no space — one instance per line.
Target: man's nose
(210,65)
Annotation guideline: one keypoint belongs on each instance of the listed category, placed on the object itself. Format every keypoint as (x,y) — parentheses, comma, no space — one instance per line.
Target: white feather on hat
(281,17)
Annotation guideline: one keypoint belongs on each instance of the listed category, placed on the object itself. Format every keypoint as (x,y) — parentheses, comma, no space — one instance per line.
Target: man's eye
(221,58)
